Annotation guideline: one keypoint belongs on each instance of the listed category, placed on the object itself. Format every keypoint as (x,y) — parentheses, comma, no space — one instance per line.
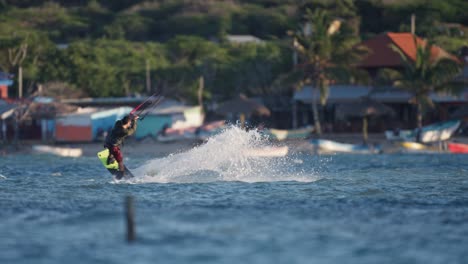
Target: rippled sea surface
(299,209)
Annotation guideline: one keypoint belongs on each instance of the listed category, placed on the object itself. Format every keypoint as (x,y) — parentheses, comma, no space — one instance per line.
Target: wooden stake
(130,215)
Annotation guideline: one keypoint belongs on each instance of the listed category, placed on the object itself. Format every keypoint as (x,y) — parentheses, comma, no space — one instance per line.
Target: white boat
(398,135)
(415,147)
(58,151)
(334,147)
(280,151)
(177,134)
(431,133)
(211,129)
(280,134)
(439,131)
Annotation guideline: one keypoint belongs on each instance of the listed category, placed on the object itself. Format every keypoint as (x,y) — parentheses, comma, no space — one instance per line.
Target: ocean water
(215,204)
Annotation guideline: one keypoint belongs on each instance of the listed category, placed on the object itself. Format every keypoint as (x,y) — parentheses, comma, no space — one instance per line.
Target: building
(5,81)
(243,39)
(380,56)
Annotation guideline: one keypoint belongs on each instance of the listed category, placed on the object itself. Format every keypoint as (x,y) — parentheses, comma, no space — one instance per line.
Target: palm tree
(324,56)
(428,73)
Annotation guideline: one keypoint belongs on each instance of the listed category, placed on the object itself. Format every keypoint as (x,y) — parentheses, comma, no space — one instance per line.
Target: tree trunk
(294,114)
(4,131)
(419,121)
(317,127)
(419,115)
(16,129)
(44,130)
(364,129)
(242,120)
(201,87)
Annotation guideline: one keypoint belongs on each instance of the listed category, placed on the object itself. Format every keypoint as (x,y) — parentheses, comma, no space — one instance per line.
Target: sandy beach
(153,148)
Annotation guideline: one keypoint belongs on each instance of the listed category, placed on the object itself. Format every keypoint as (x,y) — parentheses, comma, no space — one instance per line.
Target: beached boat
(210,129)
(439,132)
(431,133)
(333,147)
(415,147)
(177,134)
(58,151)
(398,135)
(457,147)
(271,151)
(280,134)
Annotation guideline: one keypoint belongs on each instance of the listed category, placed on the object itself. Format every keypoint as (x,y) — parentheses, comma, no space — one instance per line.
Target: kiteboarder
(122,129)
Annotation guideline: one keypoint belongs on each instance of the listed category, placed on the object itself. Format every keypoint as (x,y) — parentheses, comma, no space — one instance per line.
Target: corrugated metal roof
(350,93)
(338,93)
(105,100)
(243,39)
(168,107)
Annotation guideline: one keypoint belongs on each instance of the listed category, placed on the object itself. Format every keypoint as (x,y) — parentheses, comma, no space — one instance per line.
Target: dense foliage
(102,47)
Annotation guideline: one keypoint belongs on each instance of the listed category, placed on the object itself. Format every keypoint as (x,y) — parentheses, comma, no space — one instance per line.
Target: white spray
(224,157)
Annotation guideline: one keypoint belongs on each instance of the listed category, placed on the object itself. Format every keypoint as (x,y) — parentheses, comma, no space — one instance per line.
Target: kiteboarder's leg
(117,155)
(110,158)
(121,173)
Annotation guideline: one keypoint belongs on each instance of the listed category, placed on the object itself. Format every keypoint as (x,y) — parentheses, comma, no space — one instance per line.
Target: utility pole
(413,24)
(16,57)
(20,82)
(148,78)
(294,102)
(201,87)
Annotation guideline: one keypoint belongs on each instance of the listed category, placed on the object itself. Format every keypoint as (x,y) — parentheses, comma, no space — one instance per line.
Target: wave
(224,157)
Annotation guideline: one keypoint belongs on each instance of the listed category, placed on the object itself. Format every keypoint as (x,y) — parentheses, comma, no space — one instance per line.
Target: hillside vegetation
(103,47)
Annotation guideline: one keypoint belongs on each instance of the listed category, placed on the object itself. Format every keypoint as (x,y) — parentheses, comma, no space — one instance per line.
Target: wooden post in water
(130,215)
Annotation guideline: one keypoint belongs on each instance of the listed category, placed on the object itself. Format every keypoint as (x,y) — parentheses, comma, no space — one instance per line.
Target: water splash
(228,156)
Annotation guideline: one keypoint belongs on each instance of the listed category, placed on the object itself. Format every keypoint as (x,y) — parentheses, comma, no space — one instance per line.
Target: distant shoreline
(158,149)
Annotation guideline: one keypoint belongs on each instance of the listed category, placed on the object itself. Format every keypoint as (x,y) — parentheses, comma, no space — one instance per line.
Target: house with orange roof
(382,56)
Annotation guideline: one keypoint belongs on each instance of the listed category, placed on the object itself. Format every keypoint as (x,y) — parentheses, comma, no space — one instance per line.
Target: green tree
(190,58)
(326,51)
(105,67)
(22,52)
(427,74)
(251,69)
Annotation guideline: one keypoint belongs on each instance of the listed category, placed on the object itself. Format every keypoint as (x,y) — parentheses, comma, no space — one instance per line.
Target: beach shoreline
(154,148)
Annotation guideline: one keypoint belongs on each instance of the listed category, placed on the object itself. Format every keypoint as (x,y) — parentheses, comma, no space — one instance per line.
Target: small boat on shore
(458,148)
(271,152)
(172,134)
(330,146)
(414,147)
(418,148)
(280,134)
(431,133)
(58,151)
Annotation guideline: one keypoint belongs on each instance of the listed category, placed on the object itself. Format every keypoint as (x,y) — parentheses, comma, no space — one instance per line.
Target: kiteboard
(113,167)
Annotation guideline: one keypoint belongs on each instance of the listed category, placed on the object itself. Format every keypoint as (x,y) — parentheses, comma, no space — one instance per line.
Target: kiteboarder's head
(125,120)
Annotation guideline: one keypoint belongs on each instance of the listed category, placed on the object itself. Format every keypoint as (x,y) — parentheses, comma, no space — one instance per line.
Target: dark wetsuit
(116,138)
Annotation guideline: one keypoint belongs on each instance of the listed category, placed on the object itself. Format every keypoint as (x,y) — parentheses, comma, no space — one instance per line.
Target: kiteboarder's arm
(133,126)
